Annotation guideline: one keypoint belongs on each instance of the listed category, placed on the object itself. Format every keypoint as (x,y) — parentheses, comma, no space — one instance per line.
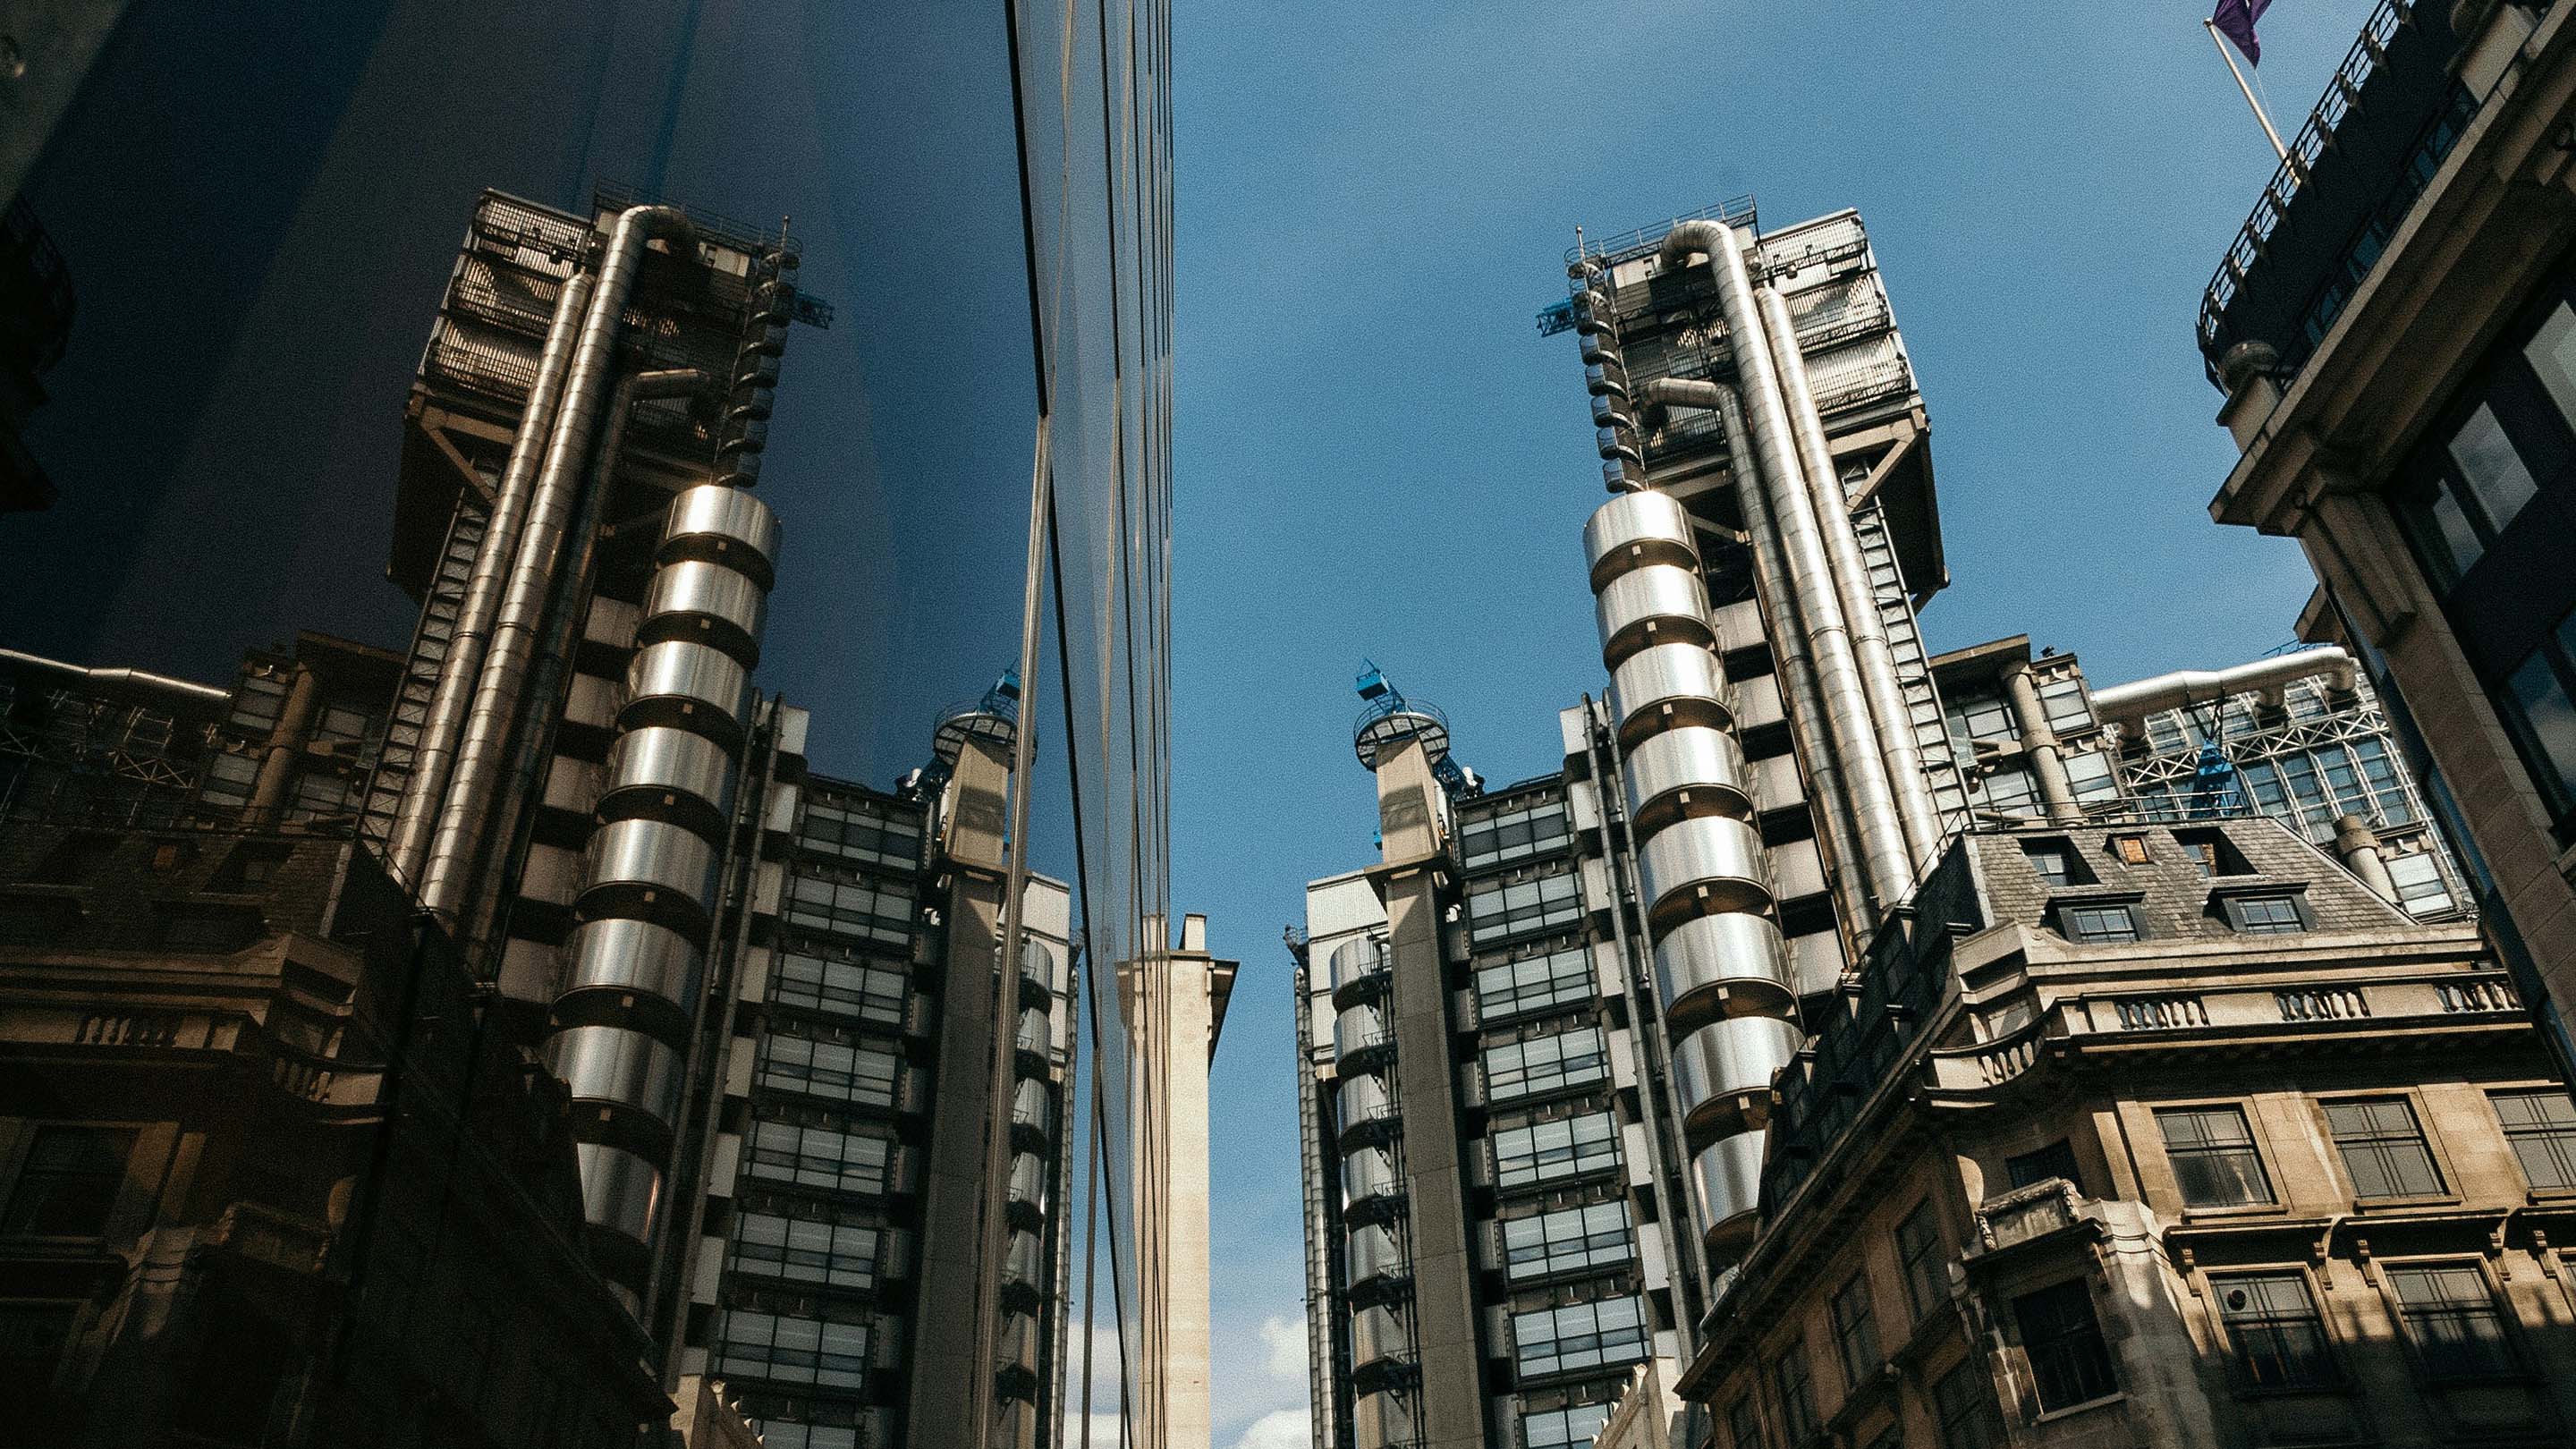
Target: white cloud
(1285,1338)
(1278,1429)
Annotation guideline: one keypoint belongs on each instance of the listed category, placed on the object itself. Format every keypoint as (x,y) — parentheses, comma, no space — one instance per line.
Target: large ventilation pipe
(648,900)
(1915,812)
(1720,962)
(533,737)
(2128,704)
(464,818)
(416,817)
(1793,666)
(1852,732)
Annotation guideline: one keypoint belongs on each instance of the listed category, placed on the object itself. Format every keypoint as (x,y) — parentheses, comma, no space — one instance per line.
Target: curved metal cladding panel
(619,1190)
(1731,964)
(1364,1099)
(708,602)
(1360,971)
(1385,1418)
(1715,1066)
(653,870)
(1726,1189)
(715,524)
(1377,1334)
(1358,1028)
(1036,1033)
(1634,529)
(1660,603)
(689,685)
(1665,685)
(621,954)
(660,773)
(1030,1110)
(1029,1180)
(1701,866)
(612,1064)
(1369,1172)
(1679,773)
(1370,1252)
(1025,1264)
(1021,1338)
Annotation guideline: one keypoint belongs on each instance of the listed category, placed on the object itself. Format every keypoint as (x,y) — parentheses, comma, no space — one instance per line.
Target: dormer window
(2277,913)
(2098,925)
(2056,861)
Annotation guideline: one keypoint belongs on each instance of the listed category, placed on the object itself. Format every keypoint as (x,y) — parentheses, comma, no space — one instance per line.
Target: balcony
(2373,142)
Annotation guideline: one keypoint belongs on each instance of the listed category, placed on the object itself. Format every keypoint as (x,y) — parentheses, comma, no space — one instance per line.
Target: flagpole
(2274,136)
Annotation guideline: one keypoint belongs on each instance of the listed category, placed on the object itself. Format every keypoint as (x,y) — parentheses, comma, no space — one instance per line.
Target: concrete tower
(1174,1005)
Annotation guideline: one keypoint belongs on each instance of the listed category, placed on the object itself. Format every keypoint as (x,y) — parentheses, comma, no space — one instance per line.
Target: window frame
(2442,1177)
(1925,1293)
(2513,1138)
(19,1219)
(2245,920)
(1798,1418)
(1853,1310)
(2508,1361)
(2064,915)
(2236,1330)
(2253,1146)
(2066,1345)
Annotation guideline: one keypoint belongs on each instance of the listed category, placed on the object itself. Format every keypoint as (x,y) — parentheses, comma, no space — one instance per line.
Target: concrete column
(2357,845)
(286,740)
(1175,1006)
(1409,880)
(2056,791)
(952,1371)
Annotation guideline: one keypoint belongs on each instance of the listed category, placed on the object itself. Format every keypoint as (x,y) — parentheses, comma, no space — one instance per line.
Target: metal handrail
(2341,94)
(1644,238)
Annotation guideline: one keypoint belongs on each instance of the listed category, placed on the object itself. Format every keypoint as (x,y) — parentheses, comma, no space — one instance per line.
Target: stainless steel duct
(1852,732)
(464,816)
(1916,814)
(532,739)
(648,902)
(1702,878)
(443,727)
(1795,668)
(2128,704)
(118,680)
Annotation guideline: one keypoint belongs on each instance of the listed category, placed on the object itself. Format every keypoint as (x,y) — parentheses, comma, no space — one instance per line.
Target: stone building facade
(2158,1134)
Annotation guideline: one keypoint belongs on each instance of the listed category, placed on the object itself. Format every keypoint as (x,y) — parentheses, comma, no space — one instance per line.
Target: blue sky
(1377,455)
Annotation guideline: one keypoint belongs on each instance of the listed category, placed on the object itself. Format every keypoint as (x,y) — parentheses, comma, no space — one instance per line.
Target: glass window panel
(1545,1064)
(2492,467)
(1567,1240)
(2383,1148)
(2273,1326)
(2213,1155)
(2450,1314)
(68,1182)
(1794,1390)
(1512,988)
(1856,1330)
(1579,1336)
(2552,354)
(1553,1151)
(2540,1125)
(1964,1403)
(1919,1257)
(2069,1362)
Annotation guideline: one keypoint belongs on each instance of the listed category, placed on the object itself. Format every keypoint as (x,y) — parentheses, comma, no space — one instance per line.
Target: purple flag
(2235,20)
